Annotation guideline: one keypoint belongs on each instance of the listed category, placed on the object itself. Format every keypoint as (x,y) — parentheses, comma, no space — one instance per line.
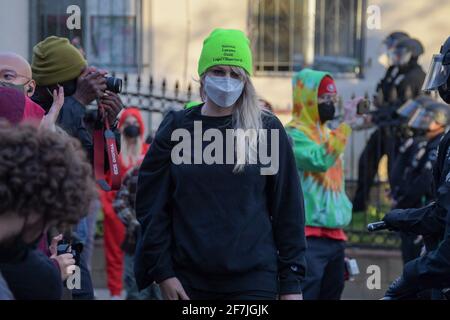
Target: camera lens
(114,84)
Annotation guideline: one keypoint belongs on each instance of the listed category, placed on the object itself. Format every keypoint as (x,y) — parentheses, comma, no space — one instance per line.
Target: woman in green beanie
(221,231)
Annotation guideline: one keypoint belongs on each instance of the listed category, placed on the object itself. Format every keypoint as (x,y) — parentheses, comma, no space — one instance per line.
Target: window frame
(138,38)
(36,24)
(360,18)
(34,27)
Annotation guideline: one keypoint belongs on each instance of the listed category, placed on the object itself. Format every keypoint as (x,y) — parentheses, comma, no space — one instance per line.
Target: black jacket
(406,80)
(215,230)
(433,269)
(398,85)
(416,187)
(73,119)
(403,160)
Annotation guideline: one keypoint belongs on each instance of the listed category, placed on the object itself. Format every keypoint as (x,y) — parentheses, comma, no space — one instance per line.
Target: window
(114,34)
(49,18)
(290,34)
(110,33)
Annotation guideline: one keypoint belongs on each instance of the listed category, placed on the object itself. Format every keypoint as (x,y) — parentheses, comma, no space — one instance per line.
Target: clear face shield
(408,109)
(438,73)
(421,120)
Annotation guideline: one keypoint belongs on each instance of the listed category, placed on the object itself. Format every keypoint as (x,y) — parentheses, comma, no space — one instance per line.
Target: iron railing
(154,98)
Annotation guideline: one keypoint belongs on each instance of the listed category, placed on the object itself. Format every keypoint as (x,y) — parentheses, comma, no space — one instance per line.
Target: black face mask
(43,96)
(132,131)
(16,250)
(70,87)
(327,111)
(13,252)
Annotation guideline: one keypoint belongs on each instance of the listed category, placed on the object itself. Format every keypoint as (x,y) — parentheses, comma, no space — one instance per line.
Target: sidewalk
(389,262)
(103,294)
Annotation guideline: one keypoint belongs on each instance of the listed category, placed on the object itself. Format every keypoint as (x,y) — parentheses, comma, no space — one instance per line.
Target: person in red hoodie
(319,154)
(133,150)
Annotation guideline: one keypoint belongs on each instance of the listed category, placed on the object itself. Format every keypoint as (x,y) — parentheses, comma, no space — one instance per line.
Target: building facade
(164,37)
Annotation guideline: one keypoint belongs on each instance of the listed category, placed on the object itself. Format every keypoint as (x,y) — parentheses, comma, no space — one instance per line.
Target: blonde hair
(247,115)
(130,154)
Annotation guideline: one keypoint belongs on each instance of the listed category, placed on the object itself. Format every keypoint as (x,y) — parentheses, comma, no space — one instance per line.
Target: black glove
(392,220)
(401,290)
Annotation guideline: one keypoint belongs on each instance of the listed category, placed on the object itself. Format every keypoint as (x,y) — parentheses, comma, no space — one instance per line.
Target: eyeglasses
(8,75)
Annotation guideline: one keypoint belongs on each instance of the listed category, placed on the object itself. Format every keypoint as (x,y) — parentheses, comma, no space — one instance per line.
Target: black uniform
(433,222)
(414,185)
(404,159)
(398,85)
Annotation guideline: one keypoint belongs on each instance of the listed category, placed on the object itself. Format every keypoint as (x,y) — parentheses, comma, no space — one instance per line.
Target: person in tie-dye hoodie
(319,156)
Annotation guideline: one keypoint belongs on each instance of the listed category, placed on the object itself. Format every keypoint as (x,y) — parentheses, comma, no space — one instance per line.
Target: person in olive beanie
(56,62)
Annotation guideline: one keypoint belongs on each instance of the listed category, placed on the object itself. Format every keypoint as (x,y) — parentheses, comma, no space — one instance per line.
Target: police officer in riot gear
(389,44)
(409,146)
(433,269)
(413,187)
(403,81)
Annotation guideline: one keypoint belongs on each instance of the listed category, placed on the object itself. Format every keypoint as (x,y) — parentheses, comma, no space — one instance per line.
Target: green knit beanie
(226,47)
(56,60)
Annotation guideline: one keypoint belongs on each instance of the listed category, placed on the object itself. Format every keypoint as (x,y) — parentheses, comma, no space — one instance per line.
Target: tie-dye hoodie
(319,156)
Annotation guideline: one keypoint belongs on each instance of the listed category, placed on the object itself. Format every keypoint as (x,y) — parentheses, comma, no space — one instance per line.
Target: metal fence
(155,98)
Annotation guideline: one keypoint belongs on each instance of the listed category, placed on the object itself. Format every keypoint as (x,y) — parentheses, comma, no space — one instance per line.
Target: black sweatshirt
(213,229)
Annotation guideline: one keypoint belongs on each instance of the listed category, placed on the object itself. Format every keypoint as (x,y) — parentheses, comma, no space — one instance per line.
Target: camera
(114,84)
(75,247)
(363,107)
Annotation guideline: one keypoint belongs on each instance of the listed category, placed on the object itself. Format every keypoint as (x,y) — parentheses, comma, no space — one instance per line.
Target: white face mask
(223,91)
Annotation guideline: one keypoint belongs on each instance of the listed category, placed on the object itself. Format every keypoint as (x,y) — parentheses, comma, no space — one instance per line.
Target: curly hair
(44,173)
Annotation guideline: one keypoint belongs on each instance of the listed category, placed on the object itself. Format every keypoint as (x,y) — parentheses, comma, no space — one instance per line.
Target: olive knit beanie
(56,60)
